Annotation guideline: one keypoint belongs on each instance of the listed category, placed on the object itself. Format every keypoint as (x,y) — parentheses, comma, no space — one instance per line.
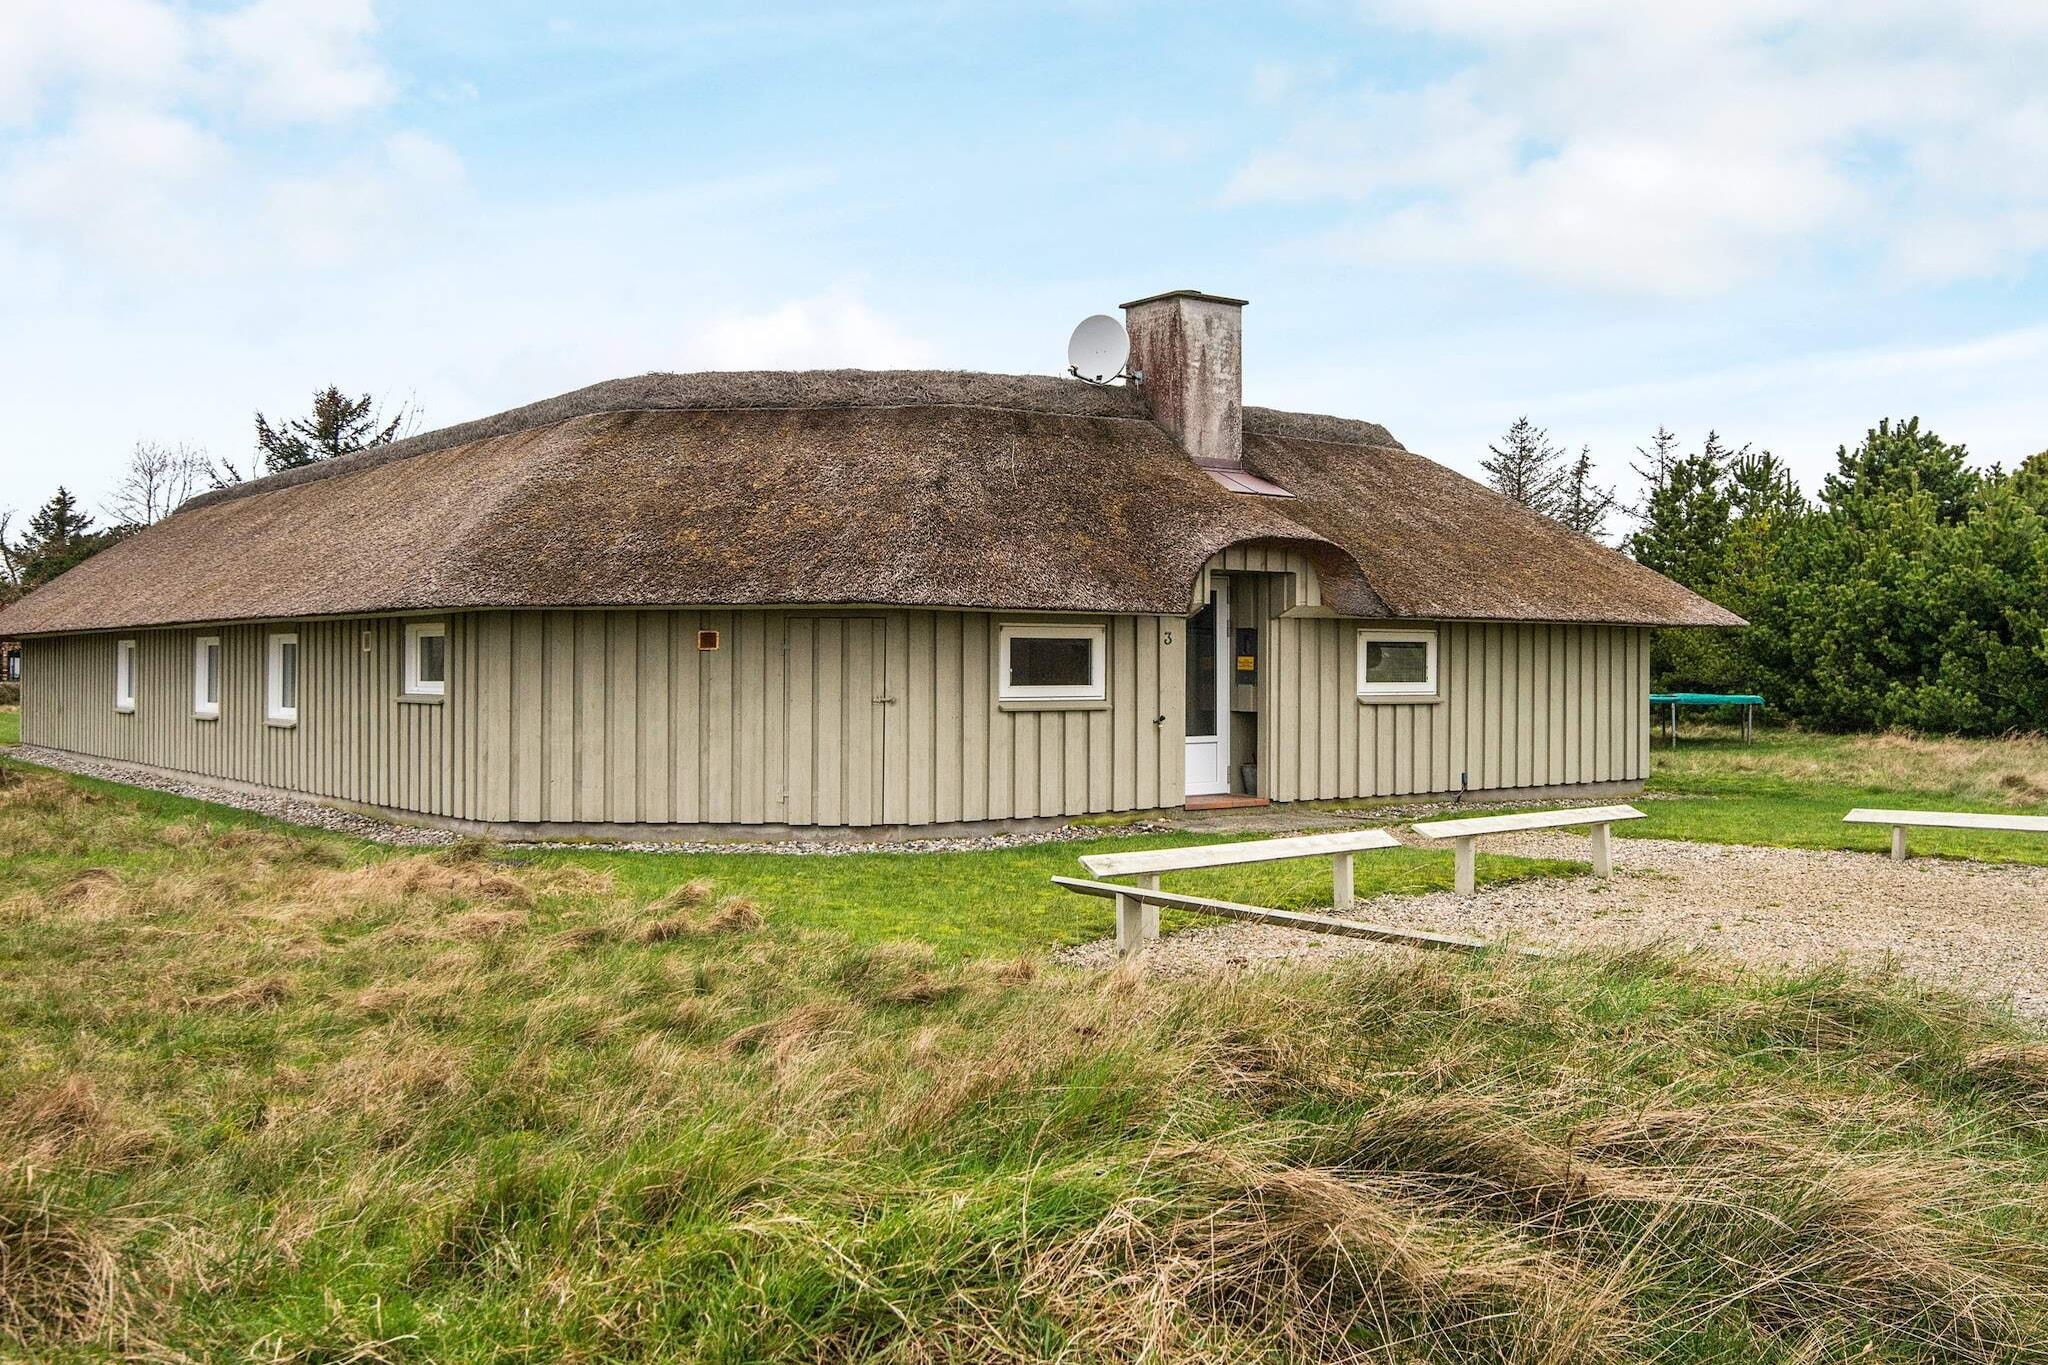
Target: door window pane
(1202,672)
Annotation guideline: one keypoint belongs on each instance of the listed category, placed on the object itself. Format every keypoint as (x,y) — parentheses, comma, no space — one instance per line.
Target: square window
(124,675)
(1397,663)
(283,687)
(426,660)
(206,660)
(1052,663)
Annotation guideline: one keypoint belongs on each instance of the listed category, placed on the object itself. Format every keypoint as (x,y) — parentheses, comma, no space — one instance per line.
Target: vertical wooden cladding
(828,718)
(1519,706)
(617,717)
(805,718)
(354,740)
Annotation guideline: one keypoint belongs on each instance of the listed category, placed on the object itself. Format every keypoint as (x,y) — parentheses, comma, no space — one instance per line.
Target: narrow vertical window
(206,677)
(283,706)
(426,659)
(124,675)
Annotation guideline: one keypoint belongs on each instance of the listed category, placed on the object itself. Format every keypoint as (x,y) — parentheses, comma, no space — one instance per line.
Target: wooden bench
(1137,917)
(1152,897)
(1902,820)
(1466,833)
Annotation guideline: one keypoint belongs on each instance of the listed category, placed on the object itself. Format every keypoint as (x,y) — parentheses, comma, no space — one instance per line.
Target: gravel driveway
(1980,927)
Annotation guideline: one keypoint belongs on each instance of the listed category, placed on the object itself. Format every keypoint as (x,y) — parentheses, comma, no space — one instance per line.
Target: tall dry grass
(268,1095)
(2011,770)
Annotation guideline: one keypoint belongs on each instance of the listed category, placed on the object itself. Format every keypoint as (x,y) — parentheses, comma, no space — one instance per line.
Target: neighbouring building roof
(903,488)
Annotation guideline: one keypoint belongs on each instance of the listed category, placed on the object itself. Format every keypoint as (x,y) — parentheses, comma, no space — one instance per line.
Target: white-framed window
(1052,663)
(1396,663)
(426,659)
(206,660)
(124,675)
(282,687)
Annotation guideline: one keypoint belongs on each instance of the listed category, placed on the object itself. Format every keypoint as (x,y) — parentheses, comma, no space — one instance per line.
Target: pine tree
(1525,467)
(1686,514)
(338,425)
(58,524)
(1761,487)
(59,536)
(1902,459)
(1581,504)
(1653,466)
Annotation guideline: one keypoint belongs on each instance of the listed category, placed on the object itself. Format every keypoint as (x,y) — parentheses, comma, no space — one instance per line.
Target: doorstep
(1224,801)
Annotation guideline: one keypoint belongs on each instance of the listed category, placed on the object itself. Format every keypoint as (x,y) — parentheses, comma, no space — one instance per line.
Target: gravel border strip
(1977,927)
(316,815)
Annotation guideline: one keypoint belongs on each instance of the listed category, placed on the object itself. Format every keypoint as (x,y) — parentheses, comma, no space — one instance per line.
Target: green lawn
(962,904)
(279,1095)
(1791,789)
(270,1093)
(10,725)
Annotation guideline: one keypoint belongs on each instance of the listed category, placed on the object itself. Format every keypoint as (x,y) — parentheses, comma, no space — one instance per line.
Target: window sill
(1400,698)
(420,699)
(281,723)
(206,715)
(1055,704)
(124,710)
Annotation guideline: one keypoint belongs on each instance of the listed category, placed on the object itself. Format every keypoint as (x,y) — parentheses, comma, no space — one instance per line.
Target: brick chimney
(1189,348)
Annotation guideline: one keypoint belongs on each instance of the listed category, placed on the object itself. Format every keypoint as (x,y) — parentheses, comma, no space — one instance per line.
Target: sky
(1779,220)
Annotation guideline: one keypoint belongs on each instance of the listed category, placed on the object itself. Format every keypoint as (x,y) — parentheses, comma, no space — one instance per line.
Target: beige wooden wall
(1520,706)
(616,717)
(830,718)
(355,740)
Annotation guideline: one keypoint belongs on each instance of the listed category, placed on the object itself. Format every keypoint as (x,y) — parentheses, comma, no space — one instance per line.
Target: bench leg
(1603,851)
(1148,915)
(1344,895)
(1898,843)
(1468,866)
(1130,929)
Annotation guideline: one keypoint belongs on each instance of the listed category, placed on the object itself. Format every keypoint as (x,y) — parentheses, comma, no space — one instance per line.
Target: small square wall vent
(707,640)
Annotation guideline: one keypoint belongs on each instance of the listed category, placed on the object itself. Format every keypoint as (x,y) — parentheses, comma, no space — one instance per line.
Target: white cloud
(1685,149)
(133,50)
(302,59)
(134,135)
(116,181)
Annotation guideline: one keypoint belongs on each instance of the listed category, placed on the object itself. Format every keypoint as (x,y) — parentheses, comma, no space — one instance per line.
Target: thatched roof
(911,488)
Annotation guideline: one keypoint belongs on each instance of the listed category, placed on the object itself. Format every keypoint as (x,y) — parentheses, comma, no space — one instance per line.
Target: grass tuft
(274,1095)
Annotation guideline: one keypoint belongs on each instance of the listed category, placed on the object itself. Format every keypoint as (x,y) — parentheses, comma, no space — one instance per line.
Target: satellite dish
(1098,349)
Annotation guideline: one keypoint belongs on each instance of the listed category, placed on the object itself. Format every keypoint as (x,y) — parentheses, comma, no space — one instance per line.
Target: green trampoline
(1748,701)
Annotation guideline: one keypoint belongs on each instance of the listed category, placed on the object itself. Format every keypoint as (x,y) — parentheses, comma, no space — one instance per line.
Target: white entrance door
(1208,703)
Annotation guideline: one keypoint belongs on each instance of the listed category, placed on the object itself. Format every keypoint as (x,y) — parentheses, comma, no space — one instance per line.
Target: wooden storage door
(834,686)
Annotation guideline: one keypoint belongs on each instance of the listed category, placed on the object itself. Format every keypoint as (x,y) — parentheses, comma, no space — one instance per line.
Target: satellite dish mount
(1098,350)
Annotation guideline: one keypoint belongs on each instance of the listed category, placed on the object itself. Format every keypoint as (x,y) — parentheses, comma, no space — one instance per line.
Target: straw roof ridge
(906,488)
(732,390)
(1315,426)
